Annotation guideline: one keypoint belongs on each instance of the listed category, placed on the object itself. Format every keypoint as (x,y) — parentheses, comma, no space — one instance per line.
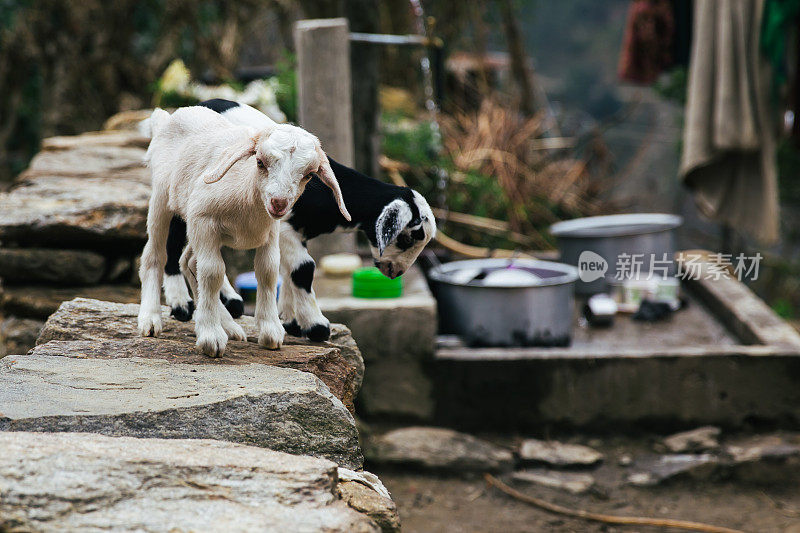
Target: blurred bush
(499,166)
(66,66)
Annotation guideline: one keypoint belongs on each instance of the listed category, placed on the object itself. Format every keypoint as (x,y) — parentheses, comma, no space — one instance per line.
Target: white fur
(204,169)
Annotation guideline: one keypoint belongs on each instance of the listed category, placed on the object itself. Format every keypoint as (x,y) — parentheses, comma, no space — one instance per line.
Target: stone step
(85,482)
(111,329)
(43,265)
(41,301)
(92,372)
(647,388)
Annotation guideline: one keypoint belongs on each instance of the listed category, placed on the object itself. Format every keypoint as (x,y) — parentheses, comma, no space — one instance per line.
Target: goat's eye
(260,163)
(404,241)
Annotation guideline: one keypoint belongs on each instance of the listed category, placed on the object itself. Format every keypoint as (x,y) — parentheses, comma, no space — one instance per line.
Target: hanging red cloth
(647,44)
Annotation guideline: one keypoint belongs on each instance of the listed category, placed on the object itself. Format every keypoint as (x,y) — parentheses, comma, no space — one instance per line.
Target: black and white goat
(397,221)
(231,184)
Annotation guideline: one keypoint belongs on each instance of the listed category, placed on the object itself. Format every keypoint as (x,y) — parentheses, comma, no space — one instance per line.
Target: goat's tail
(149,127)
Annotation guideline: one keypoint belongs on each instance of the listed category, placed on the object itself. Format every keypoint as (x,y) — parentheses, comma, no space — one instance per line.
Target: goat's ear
(394,217)
(328,178)
(230,157)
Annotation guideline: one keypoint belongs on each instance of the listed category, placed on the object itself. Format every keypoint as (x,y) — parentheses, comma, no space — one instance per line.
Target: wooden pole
(324,102)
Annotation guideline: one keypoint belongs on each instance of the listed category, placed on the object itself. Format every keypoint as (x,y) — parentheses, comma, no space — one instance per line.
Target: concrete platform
(727,360)
(396,337)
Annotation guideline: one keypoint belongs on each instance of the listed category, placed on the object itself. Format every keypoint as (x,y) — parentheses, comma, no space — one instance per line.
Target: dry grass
(541,185)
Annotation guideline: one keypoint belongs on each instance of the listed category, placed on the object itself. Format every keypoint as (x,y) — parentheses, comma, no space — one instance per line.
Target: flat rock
(18,335)
(85,482)
(63,267)
(365,500)
(41,301)
(558,454)
(437,449)
(766,460)
(652,471)
(109,331)
(572,482)
(84,211)
(702,439)
(254,403)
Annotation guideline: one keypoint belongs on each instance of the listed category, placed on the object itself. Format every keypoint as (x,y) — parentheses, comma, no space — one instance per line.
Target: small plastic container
(370,283)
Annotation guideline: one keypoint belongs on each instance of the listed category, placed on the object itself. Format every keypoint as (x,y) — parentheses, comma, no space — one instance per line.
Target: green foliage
(286,90)
(412,142)
(784,308)
(673,85)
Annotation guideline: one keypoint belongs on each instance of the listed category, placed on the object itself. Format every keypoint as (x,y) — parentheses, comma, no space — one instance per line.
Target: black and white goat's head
(402,230)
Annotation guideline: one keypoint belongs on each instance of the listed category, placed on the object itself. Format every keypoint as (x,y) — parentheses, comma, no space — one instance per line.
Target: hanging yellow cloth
(729,137)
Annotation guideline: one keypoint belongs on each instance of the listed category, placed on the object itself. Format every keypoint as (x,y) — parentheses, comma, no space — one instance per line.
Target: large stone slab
(83,482)
(110,329)
(63,267)
(254,403)
(41,301)
(96,211)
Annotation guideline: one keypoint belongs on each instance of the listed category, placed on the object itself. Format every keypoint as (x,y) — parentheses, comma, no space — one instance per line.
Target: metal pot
(648,236)
(538,312)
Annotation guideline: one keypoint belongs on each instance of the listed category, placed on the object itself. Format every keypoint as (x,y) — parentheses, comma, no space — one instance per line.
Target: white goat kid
(265,172)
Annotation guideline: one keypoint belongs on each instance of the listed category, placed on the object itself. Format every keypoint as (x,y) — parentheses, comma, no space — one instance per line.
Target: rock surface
(63,267)
(651,471)
(18,335)
(766,460)
(38,301)
(572,482)
(365,500)
(111,328)
(260,404)
(437,449)
(702,439)
(71,205)
(558,454)
(83,482)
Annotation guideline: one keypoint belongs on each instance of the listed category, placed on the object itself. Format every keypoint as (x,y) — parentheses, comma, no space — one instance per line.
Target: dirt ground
(437,505)
(430,503)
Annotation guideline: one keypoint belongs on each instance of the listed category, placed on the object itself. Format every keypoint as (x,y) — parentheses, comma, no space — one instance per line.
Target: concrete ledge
(744,313)
(396,337)
(527,390)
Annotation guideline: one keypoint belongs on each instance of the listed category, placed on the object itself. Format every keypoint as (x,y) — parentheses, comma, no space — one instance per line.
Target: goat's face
(287,158)
(401,234)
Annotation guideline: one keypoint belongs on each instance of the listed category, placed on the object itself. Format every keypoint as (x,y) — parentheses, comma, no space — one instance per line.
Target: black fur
(234,306)
(303,276)
(318,333)
(176,241)
(182,313)
(293,328)
(219,105)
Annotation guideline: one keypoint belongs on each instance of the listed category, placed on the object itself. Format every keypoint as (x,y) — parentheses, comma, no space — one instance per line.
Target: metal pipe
(381,38)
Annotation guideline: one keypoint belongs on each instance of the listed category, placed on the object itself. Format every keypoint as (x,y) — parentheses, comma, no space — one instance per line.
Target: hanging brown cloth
(647,42)
(729,138)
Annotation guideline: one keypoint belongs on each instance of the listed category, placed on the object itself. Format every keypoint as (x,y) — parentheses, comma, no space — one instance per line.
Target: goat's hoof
(318,332)
(235,331)
(293,328)
(212,341)
(149,324)
(183,313)
(270,335)
(235,306)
